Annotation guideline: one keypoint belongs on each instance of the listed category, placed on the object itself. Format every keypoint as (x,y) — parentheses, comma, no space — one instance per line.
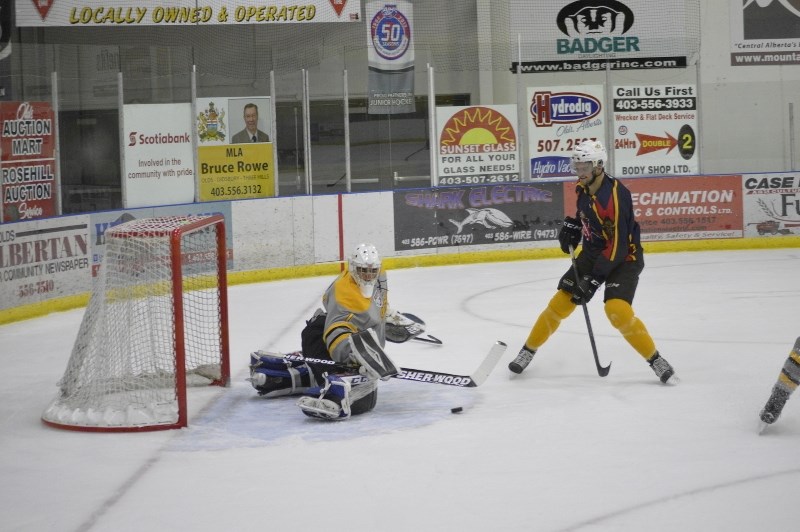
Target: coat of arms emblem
(211,124)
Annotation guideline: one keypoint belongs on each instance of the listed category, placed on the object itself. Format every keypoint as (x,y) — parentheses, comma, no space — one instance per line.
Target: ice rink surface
(555,448)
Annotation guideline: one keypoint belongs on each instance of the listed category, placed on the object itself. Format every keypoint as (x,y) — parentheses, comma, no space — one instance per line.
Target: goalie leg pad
(367,351)
(340,397)
(330,402)
(274,376)
(363,394)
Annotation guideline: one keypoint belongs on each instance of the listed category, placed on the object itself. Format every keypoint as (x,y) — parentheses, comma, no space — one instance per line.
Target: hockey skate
(663,370)
(523,359)
(772,410)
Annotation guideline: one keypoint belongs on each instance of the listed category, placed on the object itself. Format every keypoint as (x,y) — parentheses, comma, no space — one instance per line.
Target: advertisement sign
(234,154)
(29,185)
(461,216)
(43,259)
(687,207)
(597,35)
(98,83)
(655,130)
(390,54)
(103,221)
(771,204)
(765,33)
(235,172)
(559,119)
(6,26)
(477,144)
(159,165)
(120,13)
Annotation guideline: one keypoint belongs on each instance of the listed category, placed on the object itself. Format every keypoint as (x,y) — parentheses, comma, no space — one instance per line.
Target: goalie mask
(365,265)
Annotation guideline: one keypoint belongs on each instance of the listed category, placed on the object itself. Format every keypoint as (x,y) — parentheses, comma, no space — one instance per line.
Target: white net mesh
(123,368)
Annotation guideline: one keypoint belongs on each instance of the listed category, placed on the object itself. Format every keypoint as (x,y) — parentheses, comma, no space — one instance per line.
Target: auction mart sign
(29,184)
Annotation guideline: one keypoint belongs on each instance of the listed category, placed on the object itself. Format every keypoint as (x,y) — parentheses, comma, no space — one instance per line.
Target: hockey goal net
(155,324)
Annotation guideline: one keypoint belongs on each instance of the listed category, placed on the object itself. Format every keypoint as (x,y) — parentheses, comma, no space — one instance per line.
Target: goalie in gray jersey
(351,331)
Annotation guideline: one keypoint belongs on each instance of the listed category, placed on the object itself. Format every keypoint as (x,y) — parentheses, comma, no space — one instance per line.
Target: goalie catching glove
(402,326)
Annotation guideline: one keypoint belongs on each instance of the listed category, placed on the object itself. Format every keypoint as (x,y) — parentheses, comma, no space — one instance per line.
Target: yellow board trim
(35,310)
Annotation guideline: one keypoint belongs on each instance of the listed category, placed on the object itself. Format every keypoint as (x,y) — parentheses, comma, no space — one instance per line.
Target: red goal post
(156,323)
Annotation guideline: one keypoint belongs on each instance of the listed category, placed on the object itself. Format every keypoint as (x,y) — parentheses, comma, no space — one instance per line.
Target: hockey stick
(429,340)
(602,371)
(477,377)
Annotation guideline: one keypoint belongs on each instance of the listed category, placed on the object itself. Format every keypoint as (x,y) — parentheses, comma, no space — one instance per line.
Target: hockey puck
(456,410)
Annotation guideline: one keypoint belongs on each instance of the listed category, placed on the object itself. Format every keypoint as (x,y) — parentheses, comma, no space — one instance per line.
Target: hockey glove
(401,326)
(585,289)
(570,234)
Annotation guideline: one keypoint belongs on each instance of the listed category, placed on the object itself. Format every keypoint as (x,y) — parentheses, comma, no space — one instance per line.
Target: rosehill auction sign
(29,186)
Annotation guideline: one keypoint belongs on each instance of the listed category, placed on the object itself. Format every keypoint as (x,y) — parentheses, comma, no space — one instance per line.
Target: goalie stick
(477,377)
(429,340)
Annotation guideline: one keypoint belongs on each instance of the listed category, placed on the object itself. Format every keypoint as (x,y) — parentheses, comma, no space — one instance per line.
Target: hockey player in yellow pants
(788,380)
(611,255)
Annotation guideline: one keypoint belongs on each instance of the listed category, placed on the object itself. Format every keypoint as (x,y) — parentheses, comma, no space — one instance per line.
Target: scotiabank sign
(27,141)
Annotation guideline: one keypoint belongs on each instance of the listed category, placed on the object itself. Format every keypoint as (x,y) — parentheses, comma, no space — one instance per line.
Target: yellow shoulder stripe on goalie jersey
(349,296)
